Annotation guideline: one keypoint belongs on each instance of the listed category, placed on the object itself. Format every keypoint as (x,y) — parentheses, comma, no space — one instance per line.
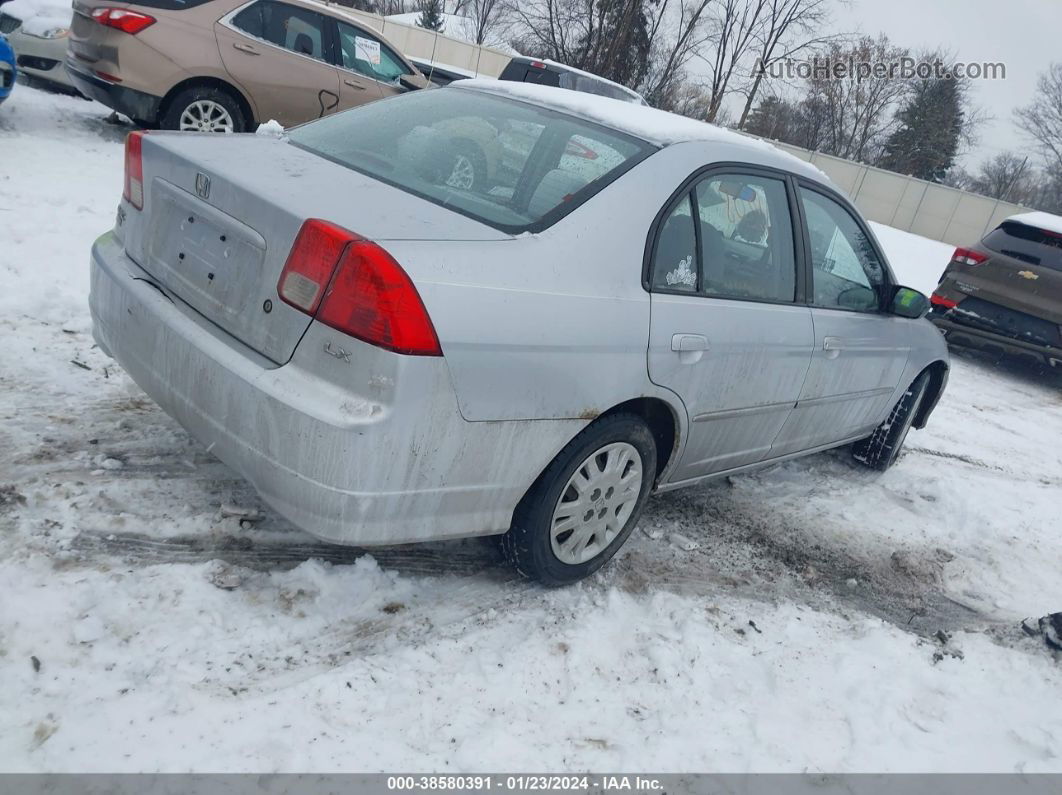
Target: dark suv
(551,73)
(1005,293)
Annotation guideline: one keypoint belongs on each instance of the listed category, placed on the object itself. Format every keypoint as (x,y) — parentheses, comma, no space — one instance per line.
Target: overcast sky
(1023,34)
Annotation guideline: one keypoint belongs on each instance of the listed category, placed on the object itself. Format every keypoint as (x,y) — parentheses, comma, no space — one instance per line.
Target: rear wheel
(586,503)
(204,109)
(881,449)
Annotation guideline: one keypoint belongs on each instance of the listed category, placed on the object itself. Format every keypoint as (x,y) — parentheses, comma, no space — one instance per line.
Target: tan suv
(227,65)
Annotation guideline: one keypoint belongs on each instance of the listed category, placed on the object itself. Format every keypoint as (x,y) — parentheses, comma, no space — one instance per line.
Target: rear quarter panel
(555,325)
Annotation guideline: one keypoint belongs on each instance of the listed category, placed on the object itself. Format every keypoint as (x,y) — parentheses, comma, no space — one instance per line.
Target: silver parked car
(635,302)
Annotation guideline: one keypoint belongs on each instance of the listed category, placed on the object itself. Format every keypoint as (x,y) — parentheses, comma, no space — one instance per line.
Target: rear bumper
(981,339)
(128,101)
(368,469)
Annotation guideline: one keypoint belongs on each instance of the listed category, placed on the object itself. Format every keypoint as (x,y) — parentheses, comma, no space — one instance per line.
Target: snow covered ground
(144,628)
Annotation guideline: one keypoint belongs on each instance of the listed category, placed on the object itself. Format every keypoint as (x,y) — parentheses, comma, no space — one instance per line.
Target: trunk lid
(92,43)
(222,212)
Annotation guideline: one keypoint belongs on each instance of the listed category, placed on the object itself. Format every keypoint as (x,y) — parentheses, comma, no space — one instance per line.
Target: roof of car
(650,124)
(1044,221)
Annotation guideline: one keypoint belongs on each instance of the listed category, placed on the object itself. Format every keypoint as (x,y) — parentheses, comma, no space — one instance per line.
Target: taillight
(967,256)
(122,19)
(941,301)
(311,263)
(134,170)
(354,286)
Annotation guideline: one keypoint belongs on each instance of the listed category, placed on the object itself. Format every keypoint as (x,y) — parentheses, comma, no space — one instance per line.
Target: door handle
(832,346)
(688,343)
(247,48)
(354,85)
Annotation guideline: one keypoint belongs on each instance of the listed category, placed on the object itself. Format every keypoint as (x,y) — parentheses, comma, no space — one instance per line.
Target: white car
(389,356)
(38,35)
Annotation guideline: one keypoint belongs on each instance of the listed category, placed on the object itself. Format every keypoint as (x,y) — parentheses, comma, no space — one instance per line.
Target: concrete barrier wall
(914,205)
(417,42)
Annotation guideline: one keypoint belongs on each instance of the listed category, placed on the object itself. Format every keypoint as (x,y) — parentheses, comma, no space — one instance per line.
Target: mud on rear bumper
(137,105)
(345,468)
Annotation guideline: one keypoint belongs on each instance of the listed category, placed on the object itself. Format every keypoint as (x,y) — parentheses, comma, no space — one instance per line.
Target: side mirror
(907,302)
(413,82)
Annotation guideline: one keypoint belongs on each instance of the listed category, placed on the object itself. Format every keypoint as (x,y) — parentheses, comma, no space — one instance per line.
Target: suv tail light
(353,285)
(134,170)
(942,302)
(122,19)
(966,256)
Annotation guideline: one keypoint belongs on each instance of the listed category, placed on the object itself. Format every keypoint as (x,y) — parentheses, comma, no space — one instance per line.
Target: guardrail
(953,216)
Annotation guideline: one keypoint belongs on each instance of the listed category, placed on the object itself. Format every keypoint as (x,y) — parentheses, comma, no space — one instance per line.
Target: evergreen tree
(772,118)
(931,124)
(618,48)
(431,15)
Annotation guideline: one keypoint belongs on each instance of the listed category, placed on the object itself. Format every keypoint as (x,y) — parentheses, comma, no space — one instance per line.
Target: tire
(620,442)
(882,448)
(468,168)
(216,109)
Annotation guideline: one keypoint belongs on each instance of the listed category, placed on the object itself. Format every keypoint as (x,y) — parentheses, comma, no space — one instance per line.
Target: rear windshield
(588,85)
(511,165)
(1027,243)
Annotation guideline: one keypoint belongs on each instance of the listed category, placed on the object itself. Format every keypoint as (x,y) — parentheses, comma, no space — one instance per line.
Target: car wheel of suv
(881,449)
(468,168)
(585,504)
(204,109)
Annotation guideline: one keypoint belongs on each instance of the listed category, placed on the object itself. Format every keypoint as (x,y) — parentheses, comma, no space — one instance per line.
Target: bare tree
(486,15)
(388,7)
(736,24)
(788,28)
(1007,176)
(1042,118)
(852,115)
(677,31)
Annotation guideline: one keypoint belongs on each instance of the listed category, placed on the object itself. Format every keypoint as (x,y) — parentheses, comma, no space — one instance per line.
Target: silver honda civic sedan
(504,309)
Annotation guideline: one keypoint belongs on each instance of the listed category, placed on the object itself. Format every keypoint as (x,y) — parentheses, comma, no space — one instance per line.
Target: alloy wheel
(204,115)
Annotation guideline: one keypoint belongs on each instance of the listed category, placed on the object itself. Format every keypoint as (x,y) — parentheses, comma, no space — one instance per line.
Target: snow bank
(918,262)
(270,129)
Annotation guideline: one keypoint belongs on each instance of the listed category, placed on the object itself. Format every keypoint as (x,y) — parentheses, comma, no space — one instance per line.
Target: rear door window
(296,29)
(674,263)
(1027,243)
(746,238)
